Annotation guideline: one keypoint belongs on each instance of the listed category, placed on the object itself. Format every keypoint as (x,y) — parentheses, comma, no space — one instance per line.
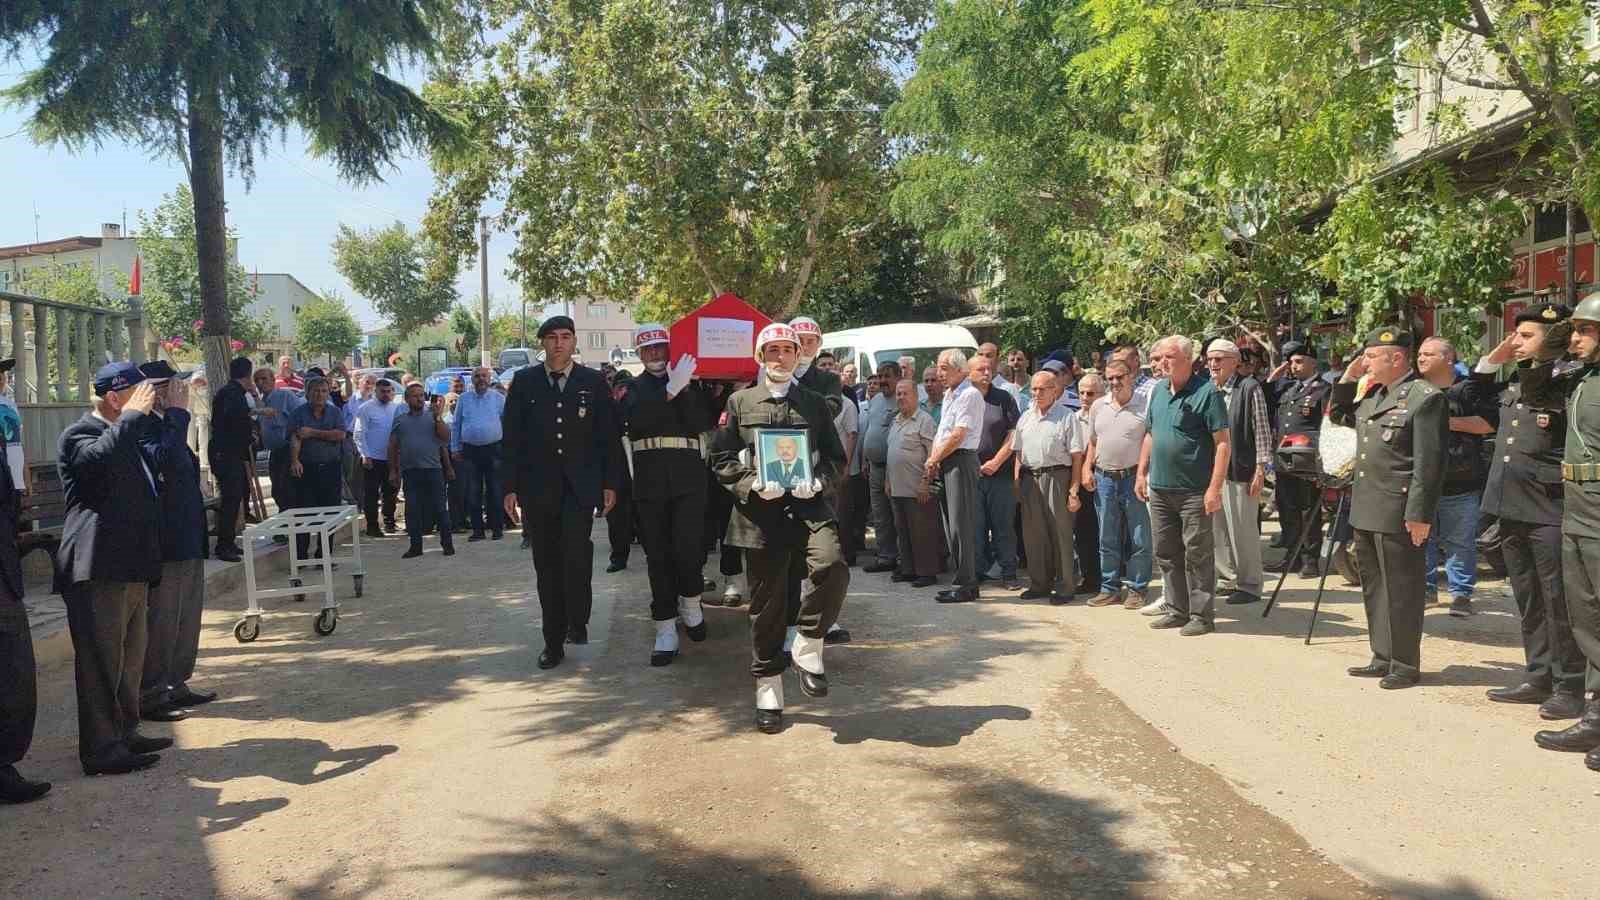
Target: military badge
(1549,314)
(1386,336)
(1388,434)
(1543,419)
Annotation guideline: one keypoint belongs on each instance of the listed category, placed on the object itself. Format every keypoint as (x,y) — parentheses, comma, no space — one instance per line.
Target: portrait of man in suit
(784,460)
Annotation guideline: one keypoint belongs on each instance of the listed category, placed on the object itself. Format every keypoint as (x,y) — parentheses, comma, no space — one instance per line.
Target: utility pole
(483,295)
(524,320)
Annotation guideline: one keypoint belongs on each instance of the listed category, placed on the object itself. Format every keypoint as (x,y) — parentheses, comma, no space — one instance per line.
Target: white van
(874,345)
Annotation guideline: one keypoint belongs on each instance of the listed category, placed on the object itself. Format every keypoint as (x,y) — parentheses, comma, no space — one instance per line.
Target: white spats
(788,638)
(690,612)
(666,637)
(808,653)
(769,692)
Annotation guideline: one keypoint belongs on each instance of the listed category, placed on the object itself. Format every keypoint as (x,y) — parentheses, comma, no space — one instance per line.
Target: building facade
(603,326)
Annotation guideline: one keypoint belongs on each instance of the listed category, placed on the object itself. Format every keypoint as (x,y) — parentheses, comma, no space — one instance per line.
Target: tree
(76,284)
(465,325)
(905,282)
(388,266)
(170,273)
(325,325)
(663,152)
(212,82)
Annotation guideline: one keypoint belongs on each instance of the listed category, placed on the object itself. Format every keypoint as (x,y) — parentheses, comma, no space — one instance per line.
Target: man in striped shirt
(1237,524)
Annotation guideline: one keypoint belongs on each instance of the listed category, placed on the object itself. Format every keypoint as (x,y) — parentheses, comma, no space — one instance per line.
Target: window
(1550,223)
(597,310)
(597,340)
(1408,96)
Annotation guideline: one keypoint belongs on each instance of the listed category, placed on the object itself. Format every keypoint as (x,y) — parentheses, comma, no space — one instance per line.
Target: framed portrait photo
(783,455)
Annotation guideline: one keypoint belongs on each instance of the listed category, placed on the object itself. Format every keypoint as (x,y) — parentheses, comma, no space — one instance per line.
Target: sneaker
(1197,627)
(1133,600)
(1461,607)
(1170,620)
(1153,608)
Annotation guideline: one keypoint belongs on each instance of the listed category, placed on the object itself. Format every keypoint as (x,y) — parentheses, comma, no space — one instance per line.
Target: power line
(756,110)
(344,189)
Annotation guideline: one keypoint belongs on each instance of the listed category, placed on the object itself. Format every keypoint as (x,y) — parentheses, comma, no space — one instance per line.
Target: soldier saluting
(1299,402)
(563,462)
(664,413)
(1401,427)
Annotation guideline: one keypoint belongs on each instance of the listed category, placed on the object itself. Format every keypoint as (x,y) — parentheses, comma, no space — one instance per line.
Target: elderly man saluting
(1049,467)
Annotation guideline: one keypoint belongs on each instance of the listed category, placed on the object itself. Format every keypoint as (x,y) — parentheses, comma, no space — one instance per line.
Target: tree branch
(819,201)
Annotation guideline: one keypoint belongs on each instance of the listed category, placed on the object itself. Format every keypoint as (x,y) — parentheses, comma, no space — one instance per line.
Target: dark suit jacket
(10,560)
(231,434)
(113,523)
(165,445)
(756,521)
(775,473)
(560,440)
(828,384)
(1400,440)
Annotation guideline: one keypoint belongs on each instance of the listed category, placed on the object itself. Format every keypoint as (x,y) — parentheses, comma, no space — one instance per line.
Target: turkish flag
(134,280)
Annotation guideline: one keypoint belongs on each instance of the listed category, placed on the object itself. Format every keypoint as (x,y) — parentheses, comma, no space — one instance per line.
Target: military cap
(157,370)
(1298,348)
(1546,314)
(8,364)
(117,376)
(1389,336)
(554,323)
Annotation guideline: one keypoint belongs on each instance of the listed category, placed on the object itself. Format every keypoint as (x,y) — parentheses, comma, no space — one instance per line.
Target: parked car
(390,373)
(439,382)
(517,357)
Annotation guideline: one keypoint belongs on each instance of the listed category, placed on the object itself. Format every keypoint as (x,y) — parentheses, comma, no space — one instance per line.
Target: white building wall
(602,326)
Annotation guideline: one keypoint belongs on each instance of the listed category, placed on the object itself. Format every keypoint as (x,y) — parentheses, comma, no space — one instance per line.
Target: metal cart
(324,523)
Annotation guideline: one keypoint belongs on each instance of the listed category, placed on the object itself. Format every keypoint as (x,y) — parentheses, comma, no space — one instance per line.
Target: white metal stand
(324,522)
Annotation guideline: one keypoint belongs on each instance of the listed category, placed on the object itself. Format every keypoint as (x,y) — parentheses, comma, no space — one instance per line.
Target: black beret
(1298,348)
(1389,336)
(157,370)
(7,364)
(555,322)
(1546,314)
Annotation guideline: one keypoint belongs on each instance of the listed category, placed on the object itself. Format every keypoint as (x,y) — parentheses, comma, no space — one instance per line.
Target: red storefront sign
(1550,267)
(722,337)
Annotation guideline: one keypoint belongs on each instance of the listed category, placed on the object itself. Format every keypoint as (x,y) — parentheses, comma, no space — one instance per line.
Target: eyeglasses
(1114,379)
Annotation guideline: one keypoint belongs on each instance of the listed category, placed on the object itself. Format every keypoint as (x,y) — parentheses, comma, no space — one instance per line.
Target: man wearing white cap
(831,387)
(663,414)
(1238,532)
(781,527)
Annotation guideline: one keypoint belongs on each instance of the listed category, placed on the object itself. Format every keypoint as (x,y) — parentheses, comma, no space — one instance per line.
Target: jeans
(1119,509)
(480,469)
(425,506)
(1456,526)
(997,518)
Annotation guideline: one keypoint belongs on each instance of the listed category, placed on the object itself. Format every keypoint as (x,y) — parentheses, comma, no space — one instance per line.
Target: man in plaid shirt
(1238,530)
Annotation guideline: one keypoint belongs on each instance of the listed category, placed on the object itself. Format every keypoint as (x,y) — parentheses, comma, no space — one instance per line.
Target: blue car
(439,382)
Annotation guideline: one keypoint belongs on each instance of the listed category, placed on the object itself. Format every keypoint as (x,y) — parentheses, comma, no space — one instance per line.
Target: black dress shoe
(1562,705)
(879,566)
(812,685)
(924,581)
(119,761)
(1590,759)
(166,712)
(141,744)
(1242,598)
(578,634)
(411,553)
(549,659)
(499,535)
(1061,599)
(659,658)
(707,586)
(374,533)
(901,577)
(449,550)
(228,554)
(615,566)
(475,536)
(1034,594)
(1581,737)
(696,633)
(1170,620)
(837,636)
(1395,681)
(16,789)
(189,697)
(1370,670)
(1526,693)
(957,595)
(769,721)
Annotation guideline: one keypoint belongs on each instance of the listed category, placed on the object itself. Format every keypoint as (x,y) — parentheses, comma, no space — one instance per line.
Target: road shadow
(921,726)
(299,761)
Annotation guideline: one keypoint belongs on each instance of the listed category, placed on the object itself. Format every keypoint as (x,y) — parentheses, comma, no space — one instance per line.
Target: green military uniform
(1401,433)
(773,533)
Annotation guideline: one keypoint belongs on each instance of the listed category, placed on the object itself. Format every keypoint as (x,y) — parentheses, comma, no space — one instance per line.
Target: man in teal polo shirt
(1182,466)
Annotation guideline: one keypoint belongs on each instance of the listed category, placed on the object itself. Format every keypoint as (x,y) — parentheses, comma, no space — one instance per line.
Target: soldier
(1299,400)
(1524,490)
(663,413)
(831,387)
(1580,522)
(1402,425)
(776,526)
(563,461)
(18,678)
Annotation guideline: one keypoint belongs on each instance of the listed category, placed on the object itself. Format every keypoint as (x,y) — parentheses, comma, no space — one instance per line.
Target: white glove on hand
(770,490)
(807,491)
(745,459)
(680,373)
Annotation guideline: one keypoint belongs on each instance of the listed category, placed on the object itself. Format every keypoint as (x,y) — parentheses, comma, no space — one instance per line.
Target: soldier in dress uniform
(831,387)
(776,526)
(1401,427)
(1580,522)
(663,413)
(1300,393)
(563,462)
(1524,491)
(18,677)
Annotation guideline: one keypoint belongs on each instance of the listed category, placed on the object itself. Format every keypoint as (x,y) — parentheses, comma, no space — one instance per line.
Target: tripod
(1331,546)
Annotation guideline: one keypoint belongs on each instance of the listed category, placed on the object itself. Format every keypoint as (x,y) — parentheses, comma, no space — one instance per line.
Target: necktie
(556,380)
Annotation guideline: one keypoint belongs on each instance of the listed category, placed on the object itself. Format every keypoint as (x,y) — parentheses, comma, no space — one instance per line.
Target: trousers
(377,489)
(1047,530)
(1124,537)
(108,625)
(480,470)
(960,473)
(995,537)
(1533,566)
(19,690)
(1580,572)
(317,486)
(1455,538)
(1299,500)
(620,524)
(1391,589)
(1238,540)
(425,506)
(670,529)
(562,558)
(172,628)
(821,597)
(882,512)
(917,527)
(281,479)
(232,484)
(1185,552)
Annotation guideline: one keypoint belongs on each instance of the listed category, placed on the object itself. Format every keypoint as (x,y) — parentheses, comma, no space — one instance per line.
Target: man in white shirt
(1049,449)
(373,422)
(955,458)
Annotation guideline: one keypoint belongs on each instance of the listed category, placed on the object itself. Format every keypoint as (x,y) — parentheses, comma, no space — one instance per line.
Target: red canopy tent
(722,337)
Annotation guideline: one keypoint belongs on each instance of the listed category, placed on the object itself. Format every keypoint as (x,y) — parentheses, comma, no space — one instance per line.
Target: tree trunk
(211,228)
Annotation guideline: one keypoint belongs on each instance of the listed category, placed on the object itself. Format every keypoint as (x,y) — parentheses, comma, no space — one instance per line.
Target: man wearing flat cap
(1297,393)
(1237,524)
(1402,426)
(563,461)
(176,603)
(110,556)
(1524,490)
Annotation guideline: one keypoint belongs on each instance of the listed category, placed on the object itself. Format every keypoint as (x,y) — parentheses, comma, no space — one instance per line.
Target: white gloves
(807,491)
(770,490)
(680,373)
(745,459)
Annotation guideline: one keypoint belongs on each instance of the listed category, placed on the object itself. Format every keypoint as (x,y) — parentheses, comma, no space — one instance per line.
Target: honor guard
(1524,491)
(831,387)
(1580,522)
(1300,393)
(663,413)
(1401,428)
(18,678)
(779,526)
(563,460)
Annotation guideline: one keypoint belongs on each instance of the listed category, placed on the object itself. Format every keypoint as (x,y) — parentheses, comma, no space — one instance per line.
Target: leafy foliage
(325,325)
(170,273)
(465,325)
(72,283)
(388,267)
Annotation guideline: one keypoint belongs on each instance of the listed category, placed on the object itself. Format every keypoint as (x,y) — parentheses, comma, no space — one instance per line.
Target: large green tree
(325,325)
(213,81)
(390,267)
(662,151)
(170,274)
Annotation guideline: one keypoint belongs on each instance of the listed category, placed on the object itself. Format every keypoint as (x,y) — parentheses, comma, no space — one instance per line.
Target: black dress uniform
(831,388)
(18,677)
(1299,412)
(669,485)
(1401,432)
(561,451)
(1525,492)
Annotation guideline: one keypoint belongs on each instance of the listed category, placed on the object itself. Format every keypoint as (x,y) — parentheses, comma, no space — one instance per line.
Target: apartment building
(603,326)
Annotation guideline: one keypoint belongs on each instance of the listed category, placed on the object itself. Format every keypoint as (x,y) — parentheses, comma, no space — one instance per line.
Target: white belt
(665,443)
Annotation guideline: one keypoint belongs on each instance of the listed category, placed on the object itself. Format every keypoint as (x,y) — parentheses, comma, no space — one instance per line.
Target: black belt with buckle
(1031,470)
(1117,474)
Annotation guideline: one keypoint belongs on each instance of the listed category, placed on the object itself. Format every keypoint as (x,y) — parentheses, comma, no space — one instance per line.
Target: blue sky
(286,221)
